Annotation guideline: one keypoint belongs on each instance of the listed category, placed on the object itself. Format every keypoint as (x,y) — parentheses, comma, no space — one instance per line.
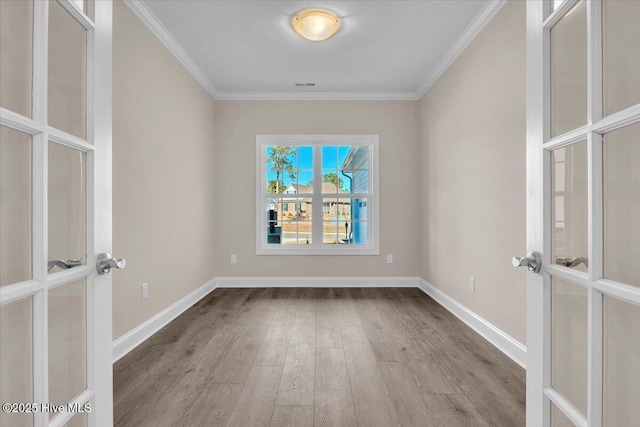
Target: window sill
(367,251)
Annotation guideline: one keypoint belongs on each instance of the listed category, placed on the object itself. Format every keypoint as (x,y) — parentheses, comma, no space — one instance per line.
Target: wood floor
(317,357)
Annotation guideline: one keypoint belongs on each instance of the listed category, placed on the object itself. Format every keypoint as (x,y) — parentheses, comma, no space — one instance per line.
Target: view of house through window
(300,211)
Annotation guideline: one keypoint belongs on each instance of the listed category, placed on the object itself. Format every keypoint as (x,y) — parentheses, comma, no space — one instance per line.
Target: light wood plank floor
(318,357)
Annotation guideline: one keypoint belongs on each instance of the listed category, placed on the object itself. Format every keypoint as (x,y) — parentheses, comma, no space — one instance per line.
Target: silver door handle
(70,263)
(572,262)
(106,262)
(532,261)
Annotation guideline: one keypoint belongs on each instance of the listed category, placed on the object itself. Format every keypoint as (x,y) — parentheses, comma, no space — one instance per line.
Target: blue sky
(332,159)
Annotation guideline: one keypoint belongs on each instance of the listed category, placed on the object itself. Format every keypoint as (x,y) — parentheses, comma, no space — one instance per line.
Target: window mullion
(316,205)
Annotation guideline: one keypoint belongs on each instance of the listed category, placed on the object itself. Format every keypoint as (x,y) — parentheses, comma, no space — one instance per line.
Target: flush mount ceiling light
(315,25)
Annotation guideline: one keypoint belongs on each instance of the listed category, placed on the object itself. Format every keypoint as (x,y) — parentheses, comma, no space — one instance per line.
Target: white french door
(55,216)
(583,212)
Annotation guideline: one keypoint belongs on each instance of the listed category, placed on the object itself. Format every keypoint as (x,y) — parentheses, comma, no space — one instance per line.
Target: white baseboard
(138,335)
(316,282)
(513,348)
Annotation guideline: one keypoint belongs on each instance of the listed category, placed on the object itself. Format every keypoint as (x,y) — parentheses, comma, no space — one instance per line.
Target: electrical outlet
(234,258)
(472,284)
(389,258)
(145,290)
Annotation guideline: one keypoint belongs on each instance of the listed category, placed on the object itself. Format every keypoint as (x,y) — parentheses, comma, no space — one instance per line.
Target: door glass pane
(16,45)
(555,4)
(621,54)
(569,71)
(622,205)
(67,341)
(621,363)
(81,4)
(569,342)
(67,72)
(15,206)
(16,359)
(558,418)
(569,185)
(78,420)
(67,204)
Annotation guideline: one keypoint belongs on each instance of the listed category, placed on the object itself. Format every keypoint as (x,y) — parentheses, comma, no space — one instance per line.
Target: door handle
(572,262)
(532,261)
(70,263)
(106,262)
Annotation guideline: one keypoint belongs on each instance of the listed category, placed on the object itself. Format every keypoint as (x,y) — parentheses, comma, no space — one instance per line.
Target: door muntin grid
(35,287)
(595,280)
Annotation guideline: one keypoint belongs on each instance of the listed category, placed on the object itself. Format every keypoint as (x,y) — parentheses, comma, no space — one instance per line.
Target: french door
(55,171)
(583,213)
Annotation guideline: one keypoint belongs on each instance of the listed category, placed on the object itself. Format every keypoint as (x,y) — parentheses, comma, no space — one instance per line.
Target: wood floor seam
(302,357)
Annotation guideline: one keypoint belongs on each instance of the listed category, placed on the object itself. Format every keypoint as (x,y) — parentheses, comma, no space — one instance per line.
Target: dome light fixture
(315,24)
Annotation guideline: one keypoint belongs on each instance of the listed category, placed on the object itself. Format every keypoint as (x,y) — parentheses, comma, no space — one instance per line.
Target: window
(331,180)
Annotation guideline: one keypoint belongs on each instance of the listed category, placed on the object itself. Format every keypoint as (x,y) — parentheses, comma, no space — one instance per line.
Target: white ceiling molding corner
(317,96)
(159,30)
(151,21)
(485,16)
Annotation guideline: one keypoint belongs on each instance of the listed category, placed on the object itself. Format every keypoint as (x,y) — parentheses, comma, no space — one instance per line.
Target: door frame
(99,390)
(539,21)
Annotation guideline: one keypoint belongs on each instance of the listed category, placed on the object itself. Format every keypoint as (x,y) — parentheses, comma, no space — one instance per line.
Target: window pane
(330,158)
(333,182)
(331,231)
(305,157)
(305,181)
(67,72)
(621,54)
(358,233)
(274,221)
(622,205)
(336,216)
(297,219)
(304,232)
(67,204)
(15,206)
(16,46)
(67,341)
(360,181)
(16,356)
(621,363)
(569,206)
(569,71)
(569,342)
(281,169)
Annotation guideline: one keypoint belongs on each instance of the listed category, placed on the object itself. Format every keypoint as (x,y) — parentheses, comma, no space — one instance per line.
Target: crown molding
(317,96)
(160,31)
(153,23)
(479,22)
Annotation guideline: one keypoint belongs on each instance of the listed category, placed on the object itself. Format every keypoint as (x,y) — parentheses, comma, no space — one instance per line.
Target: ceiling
(246,48)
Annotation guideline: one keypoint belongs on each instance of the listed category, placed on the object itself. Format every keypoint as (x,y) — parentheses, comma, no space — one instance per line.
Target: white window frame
(317,247)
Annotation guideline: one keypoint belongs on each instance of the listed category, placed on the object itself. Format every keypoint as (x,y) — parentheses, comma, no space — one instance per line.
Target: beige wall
(162,175)
(472,157)
(238,123)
